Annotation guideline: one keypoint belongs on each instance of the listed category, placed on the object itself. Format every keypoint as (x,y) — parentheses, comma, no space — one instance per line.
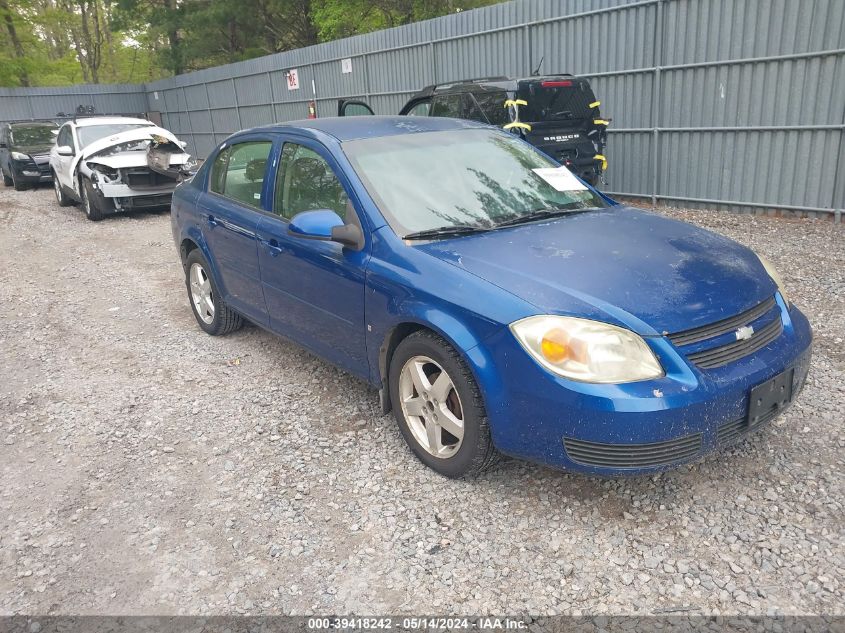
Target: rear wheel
(212,314)
(61,198)
(439,407)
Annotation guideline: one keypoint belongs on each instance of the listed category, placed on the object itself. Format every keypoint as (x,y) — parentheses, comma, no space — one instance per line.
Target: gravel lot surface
(146,467)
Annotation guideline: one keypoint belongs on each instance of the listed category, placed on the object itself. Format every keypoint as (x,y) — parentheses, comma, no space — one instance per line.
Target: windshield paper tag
(560,178)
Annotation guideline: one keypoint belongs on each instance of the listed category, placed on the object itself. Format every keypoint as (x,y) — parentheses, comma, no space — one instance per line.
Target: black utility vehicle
(558,114)
(25,152)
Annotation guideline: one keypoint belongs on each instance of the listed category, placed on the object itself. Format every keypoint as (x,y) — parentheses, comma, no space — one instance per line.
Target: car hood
(99,150)
(133,159)
(139,134)
(33,150)
(649,273)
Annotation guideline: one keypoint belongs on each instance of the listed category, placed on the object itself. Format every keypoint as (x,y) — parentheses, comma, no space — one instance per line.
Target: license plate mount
(767,398)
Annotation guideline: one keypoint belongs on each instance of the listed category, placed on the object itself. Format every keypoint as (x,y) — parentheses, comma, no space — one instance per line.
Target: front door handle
(273,247)
(212,221)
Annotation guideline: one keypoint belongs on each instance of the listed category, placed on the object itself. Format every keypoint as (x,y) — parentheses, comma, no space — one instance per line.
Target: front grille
(146,178)
(722,327)
(724,354)
(632,455)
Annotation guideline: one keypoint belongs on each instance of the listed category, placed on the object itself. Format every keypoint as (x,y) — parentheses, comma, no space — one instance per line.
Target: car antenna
(537,70)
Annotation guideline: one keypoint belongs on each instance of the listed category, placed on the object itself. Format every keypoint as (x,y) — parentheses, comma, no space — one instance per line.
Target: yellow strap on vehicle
(595,104)
(603,161)
(515,102)
(600,122)
(518,124)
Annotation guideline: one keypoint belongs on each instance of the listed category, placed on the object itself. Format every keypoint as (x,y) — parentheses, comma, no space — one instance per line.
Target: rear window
(555,100)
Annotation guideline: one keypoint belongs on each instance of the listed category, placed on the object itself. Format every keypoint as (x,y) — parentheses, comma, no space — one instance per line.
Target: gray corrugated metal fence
(714,102)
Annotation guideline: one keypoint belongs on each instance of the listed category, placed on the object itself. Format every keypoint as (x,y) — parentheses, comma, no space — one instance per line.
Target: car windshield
(91,133)
(462,178)
(34,135)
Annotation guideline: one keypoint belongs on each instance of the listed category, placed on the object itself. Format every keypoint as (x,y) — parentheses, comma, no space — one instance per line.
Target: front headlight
(773,273)
(585,350)
(20,156)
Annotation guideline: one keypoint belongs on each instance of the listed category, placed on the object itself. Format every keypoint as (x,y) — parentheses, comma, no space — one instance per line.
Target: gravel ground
(148,468)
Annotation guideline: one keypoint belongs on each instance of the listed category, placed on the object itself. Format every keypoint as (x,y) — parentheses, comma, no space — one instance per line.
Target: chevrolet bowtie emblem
(744,333)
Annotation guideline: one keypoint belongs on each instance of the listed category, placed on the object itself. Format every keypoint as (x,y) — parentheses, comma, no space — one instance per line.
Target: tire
(19,186)
(7,181)
(90,201)
(220,319)
(420,359)
(61,198)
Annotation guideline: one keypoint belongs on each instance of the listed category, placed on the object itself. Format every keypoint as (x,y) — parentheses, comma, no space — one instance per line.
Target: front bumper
(633,428)
(31,173)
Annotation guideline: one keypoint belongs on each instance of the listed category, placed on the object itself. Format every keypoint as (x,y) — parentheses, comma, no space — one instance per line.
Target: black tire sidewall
(466,458)
(215,327)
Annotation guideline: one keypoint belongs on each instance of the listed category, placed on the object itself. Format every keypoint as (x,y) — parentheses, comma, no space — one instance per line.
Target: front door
(230,210)
(65,138)
(314,289)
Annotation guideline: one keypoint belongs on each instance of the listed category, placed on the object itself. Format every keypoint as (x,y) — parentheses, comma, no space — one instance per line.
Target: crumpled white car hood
(127,159)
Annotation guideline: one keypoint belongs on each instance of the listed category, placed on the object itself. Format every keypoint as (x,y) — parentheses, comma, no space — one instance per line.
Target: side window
(218,171)
(421,109)
(447,105)
(65,137)
(493,105)
(471,111)
(306,182)
(239,174)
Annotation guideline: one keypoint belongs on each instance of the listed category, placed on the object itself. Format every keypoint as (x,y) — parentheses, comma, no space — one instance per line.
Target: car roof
(490,83)
(359,127)
(26,124)
(109,120)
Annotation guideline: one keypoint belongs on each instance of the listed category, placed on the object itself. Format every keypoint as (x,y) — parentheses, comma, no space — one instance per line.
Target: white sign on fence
(293,79)
(346,65)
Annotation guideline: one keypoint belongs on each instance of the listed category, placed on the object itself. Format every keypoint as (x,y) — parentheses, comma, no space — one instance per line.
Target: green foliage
(62,42)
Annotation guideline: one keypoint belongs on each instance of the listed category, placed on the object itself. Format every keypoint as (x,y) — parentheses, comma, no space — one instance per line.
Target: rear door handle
(273,247)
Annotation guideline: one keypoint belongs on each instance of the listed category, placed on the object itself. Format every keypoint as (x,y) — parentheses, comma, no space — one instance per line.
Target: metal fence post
(656,98)
(237,104)
(210,115)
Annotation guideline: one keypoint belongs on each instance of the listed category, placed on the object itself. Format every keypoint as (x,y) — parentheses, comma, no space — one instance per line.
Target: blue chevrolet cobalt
(499,304)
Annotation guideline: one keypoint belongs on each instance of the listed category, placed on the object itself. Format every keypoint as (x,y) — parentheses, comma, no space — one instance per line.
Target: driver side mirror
(64,150)
(327,226)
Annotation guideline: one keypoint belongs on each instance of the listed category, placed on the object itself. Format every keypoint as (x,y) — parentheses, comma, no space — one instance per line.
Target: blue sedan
(499,304)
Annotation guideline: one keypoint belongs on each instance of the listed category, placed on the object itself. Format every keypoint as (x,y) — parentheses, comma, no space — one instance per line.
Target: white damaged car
(114,164)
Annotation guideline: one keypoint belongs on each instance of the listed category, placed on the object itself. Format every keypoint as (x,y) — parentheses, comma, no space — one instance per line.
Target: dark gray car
(25,152)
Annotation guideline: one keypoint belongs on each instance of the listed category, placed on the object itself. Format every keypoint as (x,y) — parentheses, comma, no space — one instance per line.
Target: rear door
(314,289)
(561,113)
(229,210)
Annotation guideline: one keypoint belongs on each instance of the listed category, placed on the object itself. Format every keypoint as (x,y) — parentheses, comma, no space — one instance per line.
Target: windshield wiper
(541,214)
(445,231)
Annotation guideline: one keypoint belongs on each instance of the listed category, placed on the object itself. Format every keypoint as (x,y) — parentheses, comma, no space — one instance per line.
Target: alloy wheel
(201,293)
(57,188)
(431,406)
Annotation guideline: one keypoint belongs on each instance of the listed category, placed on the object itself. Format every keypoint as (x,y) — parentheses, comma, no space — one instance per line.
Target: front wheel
(19,186)
(90,202)
(211,312)
(439,408)
(61,198)
(7,181)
